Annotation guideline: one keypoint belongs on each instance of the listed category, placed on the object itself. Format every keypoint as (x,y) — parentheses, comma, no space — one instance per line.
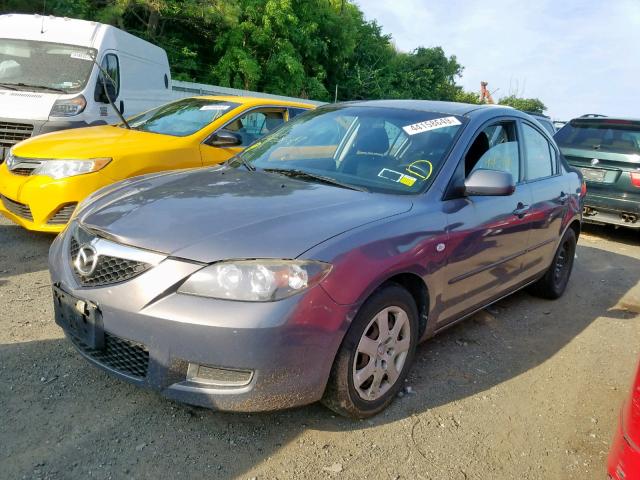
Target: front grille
(12,133)
(124,356)
(63,214)
(108,270)
(17,208)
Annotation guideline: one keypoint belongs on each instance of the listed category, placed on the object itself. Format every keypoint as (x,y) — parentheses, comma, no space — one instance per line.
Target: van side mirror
(489,183)
(224,138)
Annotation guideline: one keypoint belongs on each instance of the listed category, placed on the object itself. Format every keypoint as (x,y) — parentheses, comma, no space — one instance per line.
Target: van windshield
(44,66)
(183,117)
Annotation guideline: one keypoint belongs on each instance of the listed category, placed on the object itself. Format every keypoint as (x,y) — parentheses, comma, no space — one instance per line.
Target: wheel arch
(417,288)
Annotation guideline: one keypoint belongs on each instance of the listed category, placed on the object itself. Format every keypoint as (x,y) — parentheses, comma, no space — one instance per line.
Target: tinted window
(539,161)
(495,148)
(608,135)
(255,124)
(183,117)
(380,149)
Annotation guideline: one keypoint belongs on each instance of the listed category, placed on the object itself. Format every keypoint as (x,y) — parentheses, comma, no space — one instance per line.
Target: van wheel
(375,356)
(555,280)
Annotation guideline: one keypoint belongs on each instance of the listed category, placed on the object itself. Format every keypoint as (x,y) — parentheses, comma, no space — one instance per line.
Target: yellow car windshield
(181,118)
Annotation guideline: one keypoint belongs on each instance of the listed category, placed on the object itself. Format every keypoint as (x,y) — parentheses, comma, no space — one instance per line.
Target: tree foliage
(301,48)
(533,105)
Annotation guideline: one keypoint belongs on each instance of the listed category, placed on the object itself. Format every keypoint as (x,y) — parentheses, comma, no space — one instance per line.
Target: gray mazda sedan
(310,266)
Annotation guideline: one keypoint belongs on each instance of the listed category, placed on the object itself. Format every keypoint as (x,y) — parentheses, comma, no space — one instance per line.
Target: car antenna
(106,76)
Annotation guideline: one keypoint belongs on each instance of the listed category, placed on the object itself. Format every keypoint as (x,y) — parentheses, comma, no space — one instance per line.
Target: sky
(577,56)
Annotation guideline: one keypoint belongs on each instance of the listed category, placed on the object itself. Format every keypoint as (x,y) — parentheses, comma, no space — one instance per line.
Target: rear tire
(554,282)
(375,356)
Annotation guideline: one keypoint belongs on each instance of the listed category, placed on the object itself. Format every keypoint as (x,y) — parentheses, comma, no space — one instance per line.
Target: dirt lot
(527,389)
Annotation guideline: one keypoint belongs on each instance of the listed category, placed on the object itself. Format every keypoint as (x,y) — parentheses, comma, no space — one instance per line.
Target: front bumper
(40,197)
(288,345)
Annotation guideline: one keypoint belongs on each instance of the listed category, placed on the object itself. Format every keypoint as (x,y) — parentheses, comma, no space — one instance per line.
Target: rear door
(549,197)
(608,153)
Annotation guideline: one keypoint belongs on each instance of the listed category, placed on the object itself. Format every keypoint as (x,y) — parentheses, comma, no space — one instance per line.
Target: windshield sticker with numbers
(431,125)
(81,56)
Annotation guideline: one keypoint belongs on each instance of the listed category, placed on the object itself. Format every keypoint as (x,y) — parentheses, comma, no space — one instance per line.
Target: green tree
(525,104)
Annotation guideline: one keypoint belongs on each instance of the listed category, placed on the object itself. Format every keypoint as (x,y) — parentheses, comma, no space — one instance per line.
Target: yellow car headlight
(57,169)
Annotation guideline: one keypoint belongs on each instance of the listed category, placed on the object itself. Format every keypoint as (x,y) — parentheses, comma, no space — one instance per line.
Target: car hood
(93,142)
(213,214)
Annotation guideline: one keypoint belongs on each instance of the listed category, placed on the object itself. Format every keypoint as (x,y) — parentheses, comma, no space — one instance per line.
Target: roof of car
(451,108)
(256,100)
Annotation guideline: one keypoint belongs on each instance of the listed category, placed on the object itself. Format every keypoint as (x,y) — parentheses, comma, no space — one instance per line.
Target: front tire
(375,356)
(554,282)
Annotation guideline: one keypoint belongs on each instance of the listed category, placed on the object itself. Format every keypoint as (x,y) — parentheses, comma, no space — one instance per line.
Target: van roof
(82,33)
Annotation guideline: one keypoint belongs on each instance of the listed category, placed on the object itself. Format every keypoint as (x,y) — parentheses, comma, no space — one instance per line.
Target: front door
(488,235)
(250,126)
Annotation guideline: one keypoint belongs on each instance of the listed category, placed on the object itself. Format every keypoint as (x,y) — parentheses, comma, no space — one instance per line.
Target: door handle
(563,198)
(521,210)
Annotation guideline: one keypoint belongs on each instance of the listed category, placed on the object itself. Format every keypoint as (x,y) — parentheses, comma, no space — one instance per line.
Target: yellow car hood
(93,142)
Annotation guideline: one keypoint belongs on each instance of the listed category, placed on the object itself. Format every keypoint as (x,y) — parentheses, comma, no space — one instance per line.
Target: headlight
(57,169)
(68,107)
(255,280)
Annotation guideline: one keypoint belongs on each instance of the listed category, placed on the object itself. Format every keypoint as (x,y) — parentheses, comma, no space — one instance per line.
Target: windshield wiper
(26,85)
(8,86)
(313,176)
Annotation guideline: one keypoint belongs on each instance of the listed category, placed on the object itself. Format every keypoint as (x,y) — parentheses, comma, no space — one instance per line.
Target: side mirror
(489,183)
(224,138)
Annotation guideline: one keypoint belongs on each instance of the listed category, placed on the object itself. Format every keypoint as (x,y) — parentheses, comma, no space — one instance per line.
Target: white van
(49,82)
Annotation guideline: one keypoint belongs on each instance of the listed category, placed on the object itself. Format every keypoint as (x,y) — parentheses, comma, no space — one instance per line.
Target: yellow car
(44,178)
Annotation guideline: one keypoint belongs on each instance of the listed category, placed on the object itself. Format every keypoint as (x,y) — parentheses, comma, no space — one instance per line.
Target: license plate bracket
(593,174)
(79,318)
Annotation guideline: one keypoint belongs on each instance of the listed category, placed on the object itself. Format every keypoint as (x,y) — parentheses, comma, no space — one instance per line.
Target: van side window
(495,148)
(255,124)
(540,162)
(111,65)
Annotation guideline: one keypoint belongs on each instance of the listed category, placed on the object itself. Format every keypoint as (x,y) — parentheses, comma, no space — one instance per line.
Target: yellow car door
(248,127)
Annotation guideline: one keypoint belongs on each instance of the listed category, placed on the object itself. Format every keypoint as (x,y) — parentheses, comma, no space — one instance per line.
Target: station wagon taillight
(635,179)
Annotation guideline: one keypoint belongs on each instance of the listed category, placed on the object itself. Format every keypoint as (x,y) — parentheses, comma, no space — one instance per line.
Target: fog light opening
(218,376)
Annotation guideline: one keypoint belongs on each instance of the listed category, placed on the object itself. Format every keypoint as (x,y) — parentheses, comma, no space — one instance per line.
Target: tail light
(583,189)
(635,179)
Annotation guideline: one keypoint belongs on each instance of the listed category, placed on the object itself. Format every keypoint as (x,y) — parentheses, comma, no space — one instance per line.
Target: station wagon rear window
(607,135)
(183,117)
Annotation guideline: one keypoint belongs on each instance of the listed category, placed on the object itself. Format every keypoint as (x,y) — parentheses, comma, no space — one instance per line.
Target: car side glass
(502,157)
(538,154)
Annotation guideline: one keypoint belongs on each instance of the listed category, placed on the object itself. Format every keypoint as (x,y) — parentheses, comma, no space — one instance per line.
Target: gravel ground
(525,389)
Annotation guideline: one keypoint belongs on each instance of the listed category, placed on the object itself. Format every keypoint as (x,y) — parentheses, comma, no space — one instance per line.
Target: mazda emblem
(86,260)
(595,161)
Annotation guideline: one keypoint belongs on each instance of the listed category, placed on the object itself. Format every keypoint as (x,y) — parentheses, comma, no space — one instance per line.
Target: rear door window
(539,155)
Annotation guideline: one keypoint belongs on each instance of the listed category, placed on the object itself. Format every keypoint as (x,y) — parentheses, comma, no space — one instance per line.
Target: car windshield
(607,135)
(183,117)
(27,64)
(389,150)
